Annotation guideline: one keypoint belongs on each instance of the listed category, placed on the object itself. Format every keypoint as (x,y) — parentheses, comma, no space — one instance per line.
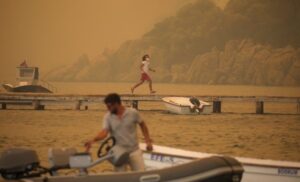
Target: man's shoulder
(131,110)
(107,115)
(133,115)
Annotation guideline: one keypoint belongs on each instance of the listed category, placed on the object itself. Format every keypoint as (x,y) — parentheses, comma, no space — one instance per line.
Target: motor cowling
(19,163)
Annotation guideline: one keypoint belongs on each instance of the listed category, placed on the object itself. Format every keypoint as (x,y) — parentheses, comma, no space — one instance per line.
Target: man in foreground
(120,122)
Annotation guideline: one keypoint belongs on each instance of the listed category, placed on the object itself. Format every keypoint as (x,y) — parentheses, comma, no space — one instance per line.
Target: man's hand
(149,146)
(88,145)
(145,132)
(100,136)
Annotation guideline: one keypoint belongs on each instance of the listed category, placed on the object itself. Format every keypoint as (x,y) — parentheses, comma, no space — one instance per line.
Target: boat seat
(59,157)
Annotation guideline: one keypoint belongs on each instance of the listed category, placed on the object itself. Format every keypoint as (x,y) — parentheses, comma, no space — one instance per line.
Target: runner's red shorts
(145,77)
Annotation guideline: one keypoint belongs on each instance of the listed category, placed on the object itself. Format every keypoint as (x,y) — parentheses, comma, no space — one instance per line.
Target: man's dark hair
(112,98)
(145,56)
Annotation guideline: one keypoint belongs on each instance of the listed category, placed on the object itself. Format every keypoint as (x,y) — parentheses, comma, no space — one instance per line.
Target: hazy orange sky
(50,33)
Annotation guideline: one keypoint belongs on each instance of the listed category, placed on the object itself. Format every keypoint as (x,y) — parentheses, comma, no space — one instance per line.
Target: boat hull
(212,169)
(26,88)
(182,105)
(255,169)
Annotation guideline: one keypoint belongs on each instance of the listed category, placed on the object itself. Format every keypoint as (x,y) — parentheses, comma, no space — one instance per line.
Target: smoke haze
(196,41)
(51,33)
(245,42)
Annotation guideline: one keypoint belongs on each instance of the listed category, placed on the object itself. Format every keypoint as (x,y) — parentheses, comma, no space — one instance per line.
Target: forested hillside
(248,42)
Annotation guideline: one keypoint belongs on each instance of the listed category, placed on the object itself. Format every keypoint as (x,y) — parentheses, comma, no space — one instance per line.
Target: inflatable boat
(23,165)
(187,105)
(255,170)
(162,164)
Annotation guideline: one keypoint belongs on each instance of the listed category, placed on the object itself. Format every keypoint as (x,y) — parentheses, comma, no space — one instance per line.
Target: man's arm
(100,136)
(146,134)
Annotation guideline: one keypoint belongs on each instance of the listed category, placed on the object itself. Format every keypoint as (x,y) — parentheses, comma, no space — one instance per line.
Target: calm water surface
(275,135)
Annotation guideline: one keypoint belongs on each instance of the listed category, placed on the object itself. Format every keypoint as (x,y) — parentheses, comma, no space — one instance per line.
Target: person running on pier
(120,122)
(145,74)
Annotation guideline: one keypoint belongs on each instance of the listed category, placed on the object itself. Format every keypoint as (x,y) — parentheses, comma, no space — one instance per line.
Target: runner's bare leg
(150,87)
(138,84)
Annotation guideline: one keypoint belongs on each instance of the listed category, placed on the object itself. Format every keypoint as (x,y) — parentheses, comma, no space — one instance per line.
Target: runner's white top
(145,68)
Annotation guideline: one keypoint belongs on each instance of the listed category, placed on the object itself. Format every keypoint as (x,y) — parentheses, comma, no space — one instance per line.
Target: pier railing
(40,101)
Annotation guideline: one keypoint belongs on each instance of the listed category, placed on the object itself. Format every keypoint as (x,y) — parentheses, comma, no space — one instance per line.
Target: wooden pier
(41,101)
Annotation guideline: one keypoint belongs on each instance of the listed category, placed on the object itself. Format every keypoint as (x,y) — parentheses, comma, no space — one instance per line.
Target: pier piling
(3,106)
(259,107)
(37,105)
(77,105)
(135,104)
(217,106)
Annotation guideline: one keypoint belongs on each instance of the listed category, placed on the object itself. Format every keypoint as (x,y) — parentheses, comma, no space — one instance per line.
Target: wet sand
(269,136)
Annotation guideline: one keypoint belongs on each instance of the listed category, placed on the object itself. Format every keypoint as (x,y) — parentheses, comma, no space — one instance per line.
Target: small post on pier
(298,106)
(259,107)
(37,105)
(135,104)
(217,106)
(3,106)
(86,107)
(78,104)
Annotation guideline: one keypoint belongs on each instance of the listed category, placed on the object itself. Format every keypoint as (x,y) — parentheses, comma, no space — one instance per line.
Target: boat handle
(150,178)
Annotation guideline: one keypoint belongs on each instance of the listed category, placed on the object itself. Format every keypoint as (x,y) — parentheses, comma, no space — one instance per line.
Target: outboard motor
(20,163)
(196,105)
(195,101)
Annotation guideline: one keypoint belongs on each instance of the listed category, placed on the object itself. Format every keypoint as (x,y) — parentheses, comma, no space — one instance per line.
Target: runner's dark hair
(145,56)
